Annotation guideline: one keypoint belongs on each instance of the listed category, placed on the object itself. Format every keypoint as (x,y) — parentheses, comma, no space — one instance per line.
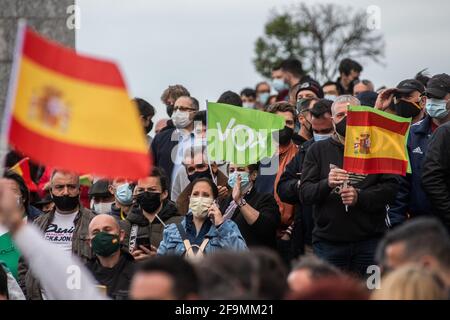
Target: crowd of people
(201,229)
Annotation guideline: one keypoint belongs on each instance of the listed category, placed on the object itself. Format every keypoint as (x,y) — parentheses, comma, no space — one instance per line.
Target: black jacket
(288,191)
(116,279)
(363,221)
(154,230)
(436,173)
(263,231)
(162,146)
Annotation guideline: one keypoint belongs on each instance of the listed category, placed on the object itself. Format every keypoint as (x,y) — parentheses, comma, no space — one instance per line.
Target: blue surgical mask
(245,179)
(319,137)
(437,108)
(279,84)
(124,194)
(331,97)
(264,97)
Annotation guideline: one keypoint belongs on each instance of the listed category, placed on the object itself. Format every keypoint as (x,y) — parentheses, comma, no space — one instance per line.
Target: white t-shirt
(60,231)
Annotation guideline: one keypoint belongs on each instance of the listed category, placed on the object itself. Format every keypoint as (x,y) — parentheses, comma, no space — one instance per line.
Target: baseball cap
(409,85)
(438,86)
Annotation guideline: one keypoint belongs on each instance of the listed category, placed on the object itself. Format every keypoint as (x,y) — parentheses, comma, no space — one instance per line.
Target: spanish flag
(22,168)
(375,142)
(72,112)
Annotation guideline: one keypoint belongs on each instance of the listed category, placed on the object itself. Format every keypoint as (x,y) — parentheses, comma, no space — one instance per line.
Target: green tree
(320,36)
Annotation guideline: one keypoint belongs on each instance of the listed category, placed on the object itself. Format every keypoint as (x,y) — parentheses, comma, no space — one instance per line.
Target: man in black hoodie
(348,220)
(112,267)
(152,212)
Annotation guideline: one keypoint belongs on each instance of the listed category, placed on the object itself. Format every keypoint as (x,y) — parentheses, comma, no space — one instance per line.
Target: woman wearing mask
(204,229)
(256,214)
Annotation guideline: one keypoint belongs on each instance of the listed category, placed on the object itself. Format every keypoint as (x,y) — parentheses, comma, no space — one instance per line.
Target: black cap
(439,86)
(99,189)
(410,85)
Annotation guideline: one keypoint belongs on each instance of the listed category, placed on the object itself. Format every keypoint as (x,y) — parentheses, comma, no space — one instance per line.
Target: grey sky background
(208,45)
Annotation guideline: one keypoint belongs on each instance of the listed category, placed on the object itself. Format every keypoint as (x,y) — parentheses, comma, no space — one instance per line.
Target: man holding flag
(349,209)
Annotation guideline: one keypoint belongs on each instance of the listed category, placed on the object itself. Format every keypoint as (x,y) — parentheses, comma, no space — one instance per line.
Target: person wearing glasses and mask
(148,217)
(349,210)
(196,166)
(168,146)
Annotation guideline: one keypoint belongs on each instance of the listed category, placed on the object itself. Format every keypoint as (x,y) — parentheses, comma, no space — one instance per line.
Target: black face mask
(169,110)
(406,109)
(149,201)
(198,175)
(65,203)
(285,136)
(149,127)
(341,126)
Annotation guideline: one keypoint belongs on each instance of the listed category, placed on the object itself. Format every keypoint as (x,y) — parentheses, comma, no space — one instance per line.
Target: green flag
(239,135)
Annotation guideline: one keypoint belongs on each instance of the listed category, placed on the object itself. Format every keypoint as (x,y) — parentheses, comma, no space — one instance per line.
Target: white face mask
(249,105)
(181,119)
(102,207)
(331,97)
(199,206)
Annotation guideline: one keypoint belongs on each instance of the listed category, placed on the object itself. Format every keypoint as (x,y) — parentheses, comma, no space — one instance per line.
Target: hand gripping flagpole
(11,96)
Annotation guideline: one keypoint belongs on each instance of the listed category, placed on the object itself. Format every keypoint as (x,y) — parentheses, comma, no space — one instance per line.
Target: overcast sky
(208,46)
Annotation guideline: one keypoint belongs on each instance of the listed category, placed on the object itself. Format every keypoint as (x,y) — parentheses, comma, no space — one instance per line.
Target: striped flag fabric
(22,168)
(375,142)
(72,112)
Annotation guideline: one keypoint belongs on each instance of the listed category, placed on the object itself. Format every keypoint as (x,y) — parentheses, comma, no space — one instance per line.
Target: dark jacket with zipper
(263,231)
(411,199)
(162,149)
(288,191)
(153,231)
(116,279)
(80,247)
(364,220)
(436,173)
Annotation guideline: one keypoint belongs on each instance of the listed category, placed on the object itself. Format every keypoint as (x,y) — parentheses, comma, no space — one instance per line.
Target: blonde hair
(411,282)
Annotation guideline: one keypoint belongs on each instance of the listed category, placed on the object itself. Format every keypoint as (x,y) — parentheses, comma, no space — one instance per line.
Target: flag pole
(209,161)
(11,95)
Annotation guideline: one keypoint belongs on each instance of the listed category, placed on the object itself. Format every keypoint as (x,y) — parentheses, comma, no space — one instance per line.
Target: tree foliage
(320,36)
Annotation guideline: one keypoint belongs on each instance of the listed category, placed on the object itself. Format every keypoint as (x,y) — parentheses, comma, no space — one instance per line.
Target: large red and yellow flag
(375,142)
(72,112)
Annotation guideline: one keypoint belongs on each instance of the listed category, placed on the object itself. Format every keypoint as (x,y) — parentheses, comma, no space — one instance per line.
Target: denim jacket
(226,237)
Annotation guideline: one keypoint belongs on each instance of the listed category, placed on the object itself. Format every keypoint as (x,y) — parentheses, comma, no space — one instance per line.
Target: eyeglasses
(191,169)
(339,115)
(183,109)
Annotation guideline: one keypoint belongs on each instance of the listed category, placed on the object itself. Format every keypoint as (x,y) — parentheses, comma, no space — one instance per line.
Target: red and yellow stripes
(375,142)
(73,112)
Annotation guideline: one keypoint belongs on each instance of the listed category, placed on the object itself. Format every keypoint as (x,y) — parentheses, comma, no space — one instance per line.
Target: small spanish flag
(375,142)
(72,112)
(22,168)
